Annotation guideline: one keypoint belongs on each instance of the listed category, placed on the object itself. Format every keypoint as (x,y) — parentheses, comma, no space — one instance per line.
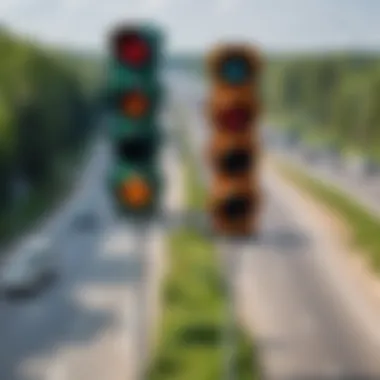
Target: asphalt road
(86,326)
(312,322)
(311,319)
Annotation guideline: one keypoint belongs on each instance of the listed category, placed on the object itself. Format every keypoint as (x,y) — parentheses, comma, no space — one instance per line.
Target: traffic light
(233,205)
(134,94)
(234,158)
(232,111)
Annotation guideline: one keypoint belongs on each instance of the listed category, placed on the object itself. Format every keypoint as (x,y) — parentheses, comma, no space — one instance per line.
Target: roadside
(362,227)
(310,315)
(353,230)
(349,176)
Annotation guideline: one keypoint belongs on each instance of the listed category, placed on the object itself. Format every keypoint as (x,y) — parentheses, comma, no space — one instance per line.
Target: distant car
(34,267)
(86,221)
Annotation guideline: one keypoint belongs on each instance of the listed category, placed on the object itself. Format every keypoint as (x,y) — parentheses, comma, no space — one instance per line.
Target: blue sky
(196,24)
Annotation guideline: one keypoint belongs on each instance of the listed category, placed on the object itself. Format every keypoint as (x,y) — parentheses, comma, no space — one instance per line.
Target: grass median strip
(194,304)
(364,227)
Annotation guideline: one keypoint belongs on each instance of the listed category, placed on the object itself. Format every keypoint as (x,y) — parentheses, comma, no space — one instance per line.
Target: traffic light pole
(134,92)
(232,108)
(231,263)
(140,233)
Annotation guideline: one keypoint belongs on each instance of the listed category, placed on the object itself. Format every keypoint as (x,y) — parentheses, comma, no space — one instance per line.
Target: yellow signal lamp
(135,104)
(135,192)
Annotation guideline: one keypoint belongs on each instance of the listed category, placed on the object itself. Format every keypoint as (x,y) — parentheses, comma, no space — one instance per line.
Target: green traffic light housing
(137,148)
(121,129)
(134,99)
(134,95)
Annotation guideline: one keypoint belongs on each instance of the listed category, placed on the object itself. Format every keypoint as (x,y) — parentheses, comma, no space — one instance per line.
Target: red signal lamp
(235,119)
(131,49)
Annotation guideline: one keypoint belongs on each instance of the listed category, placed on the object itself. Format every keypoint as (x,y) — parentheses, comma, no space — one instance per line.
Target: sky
(194,25)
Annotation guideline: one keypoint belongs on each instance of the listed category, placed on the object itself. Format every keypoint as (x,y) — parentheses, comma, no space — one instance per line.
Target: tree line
(45,113)
(333,97)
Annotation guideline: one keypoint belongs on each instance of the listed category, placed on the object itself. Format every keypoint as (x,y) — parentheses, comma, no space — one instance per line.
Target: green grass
(194,304)
(365,228)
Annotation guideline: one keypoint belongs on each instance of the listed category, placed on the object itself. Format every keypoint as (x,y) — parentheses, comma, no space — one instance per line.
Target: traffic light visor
(135,193)
(131,49)
(235,69)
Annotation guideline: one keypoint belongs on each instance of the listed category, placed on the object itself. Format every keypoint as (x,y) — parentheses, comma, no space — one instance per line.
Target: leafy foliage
(335,95)
(44,113)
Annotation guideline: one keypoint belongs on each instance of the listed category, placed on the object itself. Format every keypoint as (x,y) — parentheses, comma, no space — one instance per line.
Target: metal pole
(141,232)
(231,263)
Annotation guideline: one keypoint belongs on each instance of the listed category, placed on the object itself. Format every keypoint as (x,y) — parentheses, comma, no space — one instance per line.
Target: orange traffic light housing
(232,109)
(235,157)
(234,207)
(232,112)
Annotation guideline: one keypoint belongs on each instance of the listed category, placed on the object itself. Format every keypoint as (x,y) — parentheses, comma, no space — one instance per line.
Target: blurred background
(321,135)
